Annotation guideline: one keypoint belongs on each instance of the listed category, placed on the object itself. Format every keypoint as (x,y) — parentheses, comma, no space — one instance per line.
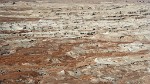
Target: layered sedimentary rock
(62,43)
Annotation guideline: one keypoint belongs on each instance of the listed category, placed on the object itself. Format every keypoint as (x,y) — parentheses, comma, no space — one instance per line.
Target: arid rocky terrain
(75,42)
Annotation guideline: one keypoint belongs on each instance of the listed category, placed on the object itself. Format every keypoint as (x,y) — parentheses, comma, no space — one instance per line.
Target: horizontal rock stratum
(74,42)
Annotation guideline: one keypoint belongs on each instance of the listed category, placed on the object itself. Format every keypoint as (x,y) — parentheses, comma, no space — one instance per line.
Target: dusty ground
(50,42)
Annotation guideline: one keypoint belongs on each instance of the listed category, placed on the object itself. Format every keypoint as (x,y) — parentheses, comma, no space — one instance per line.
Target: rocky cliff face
(57,43)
